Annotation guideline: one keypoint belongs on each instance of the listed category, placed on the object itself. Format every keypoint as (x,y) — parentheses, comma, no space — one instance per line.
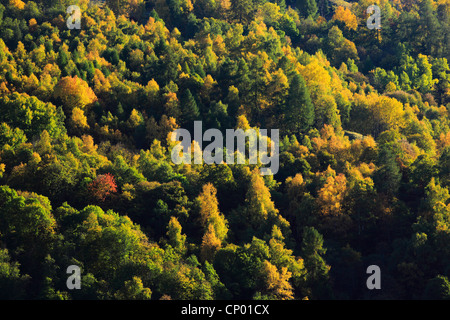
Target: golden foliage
(74,92)
(277,283)
(18,4)
(347,17)
(209,212)
(210,244)
(78,119)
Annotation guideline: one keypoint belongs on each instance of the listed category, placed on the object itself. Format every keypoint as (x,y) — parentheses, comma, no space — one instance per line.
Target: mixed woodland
(87,179)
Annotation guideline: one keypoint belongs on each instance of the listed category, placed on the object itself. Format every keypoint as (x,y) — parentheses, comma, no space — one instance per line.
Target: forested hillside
(86,176)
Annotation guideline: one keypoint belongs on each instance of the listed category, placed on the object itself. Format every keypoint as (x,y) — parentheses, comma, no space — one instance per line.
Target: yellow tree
(295,191)
(172,105)
(330,203)
(74,92)
(18,4)
(258,200)
(176,239)
(101,83)
(210,244)
(277,282)
(260,212)
(152,91)
(386,113)
(209,212)
(347,17)
(78,120)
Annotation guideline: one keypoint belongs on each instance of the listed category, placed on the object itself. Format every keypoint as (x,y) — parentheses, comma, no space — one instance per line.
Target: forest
(86,176)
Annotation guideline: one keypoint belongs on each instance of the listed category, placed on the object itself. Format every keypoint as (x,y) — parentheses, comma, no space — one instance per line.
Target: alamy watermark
(74,280)
(258,143)
(374,280)
(74,20)
(374,21)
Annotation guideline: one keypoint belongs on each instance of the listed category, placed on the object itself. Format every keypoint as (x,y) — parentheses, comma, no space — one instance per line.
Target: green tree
(30,115)
(27,227)
(189,109)
(387,177)
(441,72)
(429,28)
(308,8)
(299,110)
(437,288)
(12,137)
(13,284)
(317,276)
(242,10)
(176,239)
(133,290)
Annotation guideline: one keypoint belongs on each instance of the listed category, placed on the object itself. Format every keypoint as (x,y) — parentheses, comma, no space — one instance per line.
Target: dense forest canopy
(86,176)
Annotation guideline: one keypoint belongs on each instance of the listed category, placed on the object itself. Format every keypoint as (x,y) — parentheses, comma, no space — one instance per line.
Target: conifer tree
(308,8)
(317,269)
(299,114)
(387,177)
(189,108)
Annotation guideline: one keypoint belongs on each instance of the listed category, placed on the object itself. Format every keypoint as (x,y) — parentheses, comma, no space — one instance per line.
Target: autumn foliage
(87,177)
(103,186)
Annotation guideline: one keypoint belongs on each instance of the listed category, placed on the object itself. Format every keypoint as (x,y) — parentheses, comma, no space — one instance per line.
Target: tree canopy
(87,178)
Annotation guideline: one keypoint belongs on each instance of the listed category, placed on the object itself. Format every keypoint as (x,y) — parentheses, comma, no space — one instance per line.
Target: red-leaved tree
(103,186)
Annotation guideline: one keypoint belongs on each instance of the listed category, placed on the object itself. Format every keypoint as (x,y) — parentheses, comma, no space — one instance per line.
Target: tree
(347,17)
(387,176)
(210,244)
(133,290)
(434,211)
(299,114)
(209,212)
(258,200)
(129,7)
(27,227)
(13,283)
(441,71)
(78,120)
(317,269)
(242,10)
(330,202)
(259,213)
(327,112)
(324,8)
(430,28)
(444,166)
(103,186)
(12,137)
(277,283)
(31,115)
(308,8)
(18,4)
(189,109)
(386,113)
(176,239)
(437,288)
(74,92)
(424,82)
(339,48)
